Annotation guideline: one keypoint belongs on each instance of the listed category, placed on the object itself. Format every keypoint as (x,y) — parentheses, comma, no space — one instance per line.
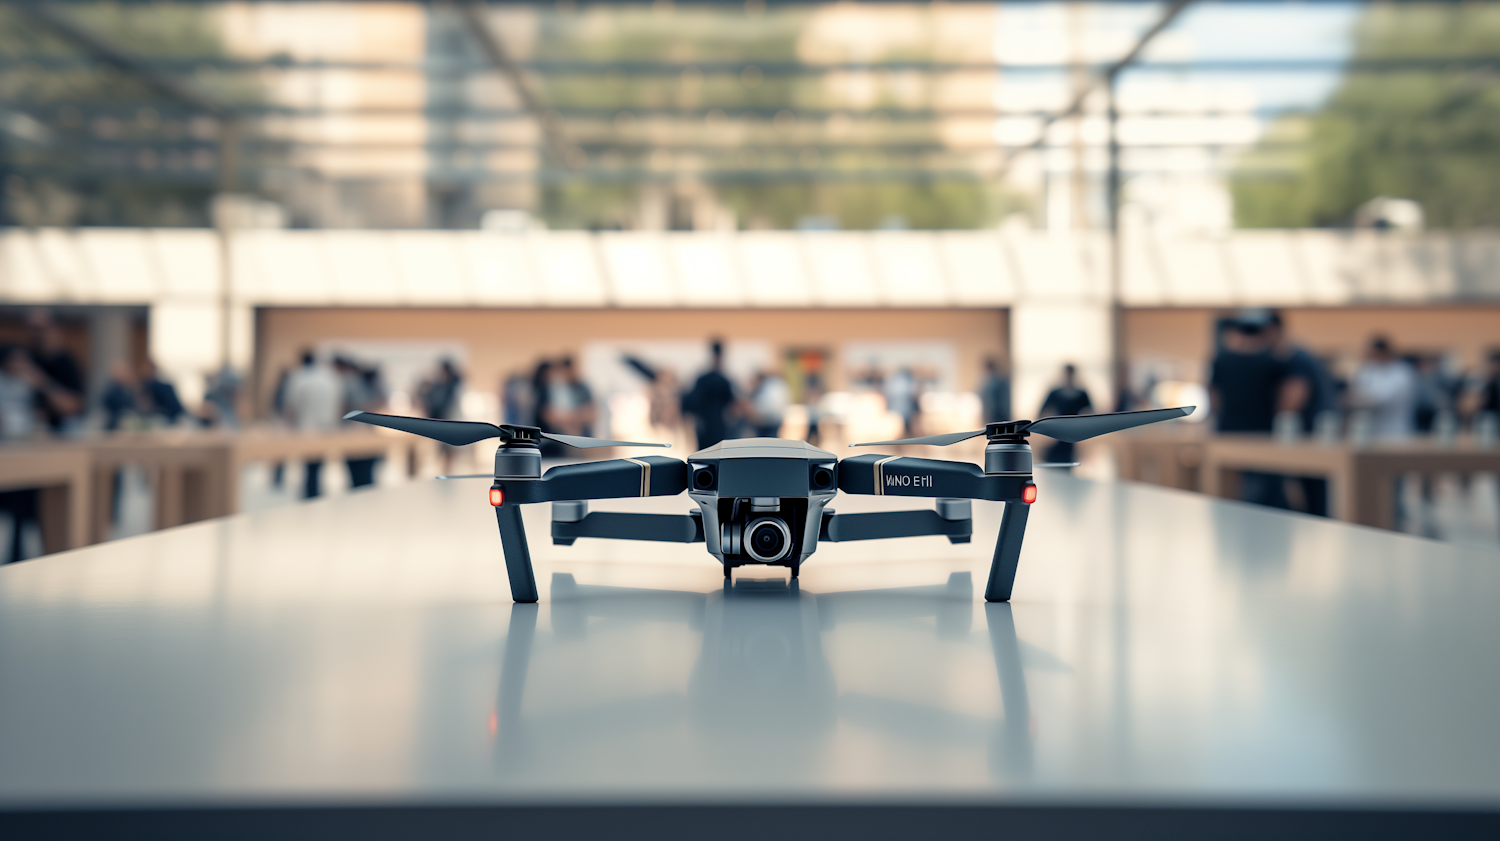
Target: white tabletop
(1162,649)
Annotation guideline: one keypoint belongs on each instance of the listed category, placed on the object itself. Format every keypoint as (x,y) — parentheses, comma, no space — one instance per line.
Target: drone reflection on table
(762,658)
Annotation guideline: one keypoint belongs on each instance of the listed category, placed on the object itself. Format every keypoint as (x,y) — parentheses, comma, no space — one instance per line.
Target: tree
(1429,131)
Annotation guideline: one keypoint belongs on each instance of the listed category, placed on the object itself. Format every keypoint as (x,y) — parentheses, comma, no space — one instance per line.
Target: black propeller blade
(1075,428)
(934,440)
(1069,428)
(458,433)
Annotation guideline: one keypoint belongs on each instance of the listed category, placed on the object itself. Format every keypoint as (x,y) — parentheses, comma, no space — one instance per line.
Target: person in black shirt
(710,400)
(1245,383)
(64,377)
(994,392)
(1066,399)
(1308,389)
(160,396)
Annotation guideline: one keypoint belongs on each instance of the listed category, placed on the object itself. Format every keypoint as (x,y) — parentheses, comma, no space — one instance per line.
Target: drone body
(764,501)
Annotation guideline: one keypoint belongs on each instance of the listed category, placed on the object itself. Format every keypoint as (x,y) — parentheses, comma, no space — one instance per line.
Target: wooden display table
(1362,480)
(195,475)
(61,473)
(1171,457)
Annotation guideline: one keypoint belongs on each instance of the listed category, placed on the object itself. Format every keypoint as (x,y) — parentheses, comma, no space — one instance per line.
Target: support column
(1049,333)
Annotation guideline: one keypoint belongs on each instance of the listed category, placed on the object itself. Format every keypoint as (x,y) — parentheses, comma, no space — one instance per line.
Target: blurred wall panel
(977,267)
(571,270)
(118,267)
(362,269)
(433,271)
(504,268)
(842,270)
(188,262)
(637,267)
(705,269)
(775,269)
(908,269)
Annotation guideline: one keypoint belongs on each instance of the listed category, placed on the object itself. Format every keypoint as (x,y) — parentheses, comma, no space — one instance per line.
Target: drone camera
(762,530)
(768,539)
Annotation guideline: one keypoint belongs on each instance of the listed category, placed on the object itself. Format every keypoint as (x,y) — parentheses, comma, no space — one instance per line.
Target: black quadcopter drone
(764,500)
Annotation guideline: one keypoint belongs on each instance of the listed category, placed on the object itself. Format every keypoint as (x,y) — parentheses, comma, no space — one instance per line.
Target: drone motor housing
(762,499)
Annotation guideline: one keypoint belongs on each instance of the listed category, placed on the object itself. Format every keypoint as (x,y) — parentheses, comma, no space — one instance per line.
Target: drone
(764,501)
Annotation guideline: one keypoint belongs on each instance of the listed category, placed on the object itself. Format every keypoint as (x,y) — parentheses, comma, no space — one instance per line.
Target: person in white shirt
(769,402)
(313,400)
(1386,387)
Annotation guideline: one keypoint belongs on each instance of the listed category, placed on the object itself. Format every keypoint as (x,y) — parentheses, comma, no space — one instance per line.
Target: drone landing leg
(1007,552)
(517,555)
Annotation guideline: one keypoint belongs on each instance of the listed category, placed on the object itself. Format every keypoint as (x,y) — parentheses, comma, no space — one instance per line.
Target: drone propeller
(1069,428)
(458,433)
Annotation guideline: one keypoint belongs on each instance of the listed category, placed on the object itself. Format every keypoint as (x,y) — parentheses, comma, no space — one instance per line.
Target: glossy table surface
(1162,648)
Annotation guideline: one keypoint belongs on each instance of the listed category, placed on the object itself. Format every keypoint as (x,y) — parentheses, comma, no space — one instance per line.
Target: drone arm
(613,479)
(877,475)
(665,528)
(839,528)
(896,476)
(620,478)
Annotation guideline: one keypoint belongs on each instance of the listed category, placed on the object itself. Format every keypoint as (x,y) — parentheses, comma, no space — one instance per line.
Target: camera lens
(767,539)
(822,478)
(703,479)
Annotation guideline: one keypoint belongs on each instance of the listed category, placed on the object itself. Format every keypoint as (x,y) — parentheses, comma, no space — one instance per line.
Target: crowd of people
(714,407)
(1263,381)
(43,391)
(315,396)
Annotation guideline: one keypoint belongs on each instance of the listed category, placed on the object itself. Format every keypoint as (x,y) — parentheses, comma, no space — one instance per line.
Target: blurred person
(52,358)
(994,392)
(28,397)
(119,400)
(19,419)
(769,399)
(221,402)
(518,398)
(159,397)
(1386,386)
(900,391)
(1307,389)
(539,379)
(1066,399)
(666,408)
(120,404)
(1245,382)
(710,400)
(1483,396)
(569,405)
(278,412)
(1435,393)
(812,393)
(362,391)
(439,397)
(313,398)
(18,394)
